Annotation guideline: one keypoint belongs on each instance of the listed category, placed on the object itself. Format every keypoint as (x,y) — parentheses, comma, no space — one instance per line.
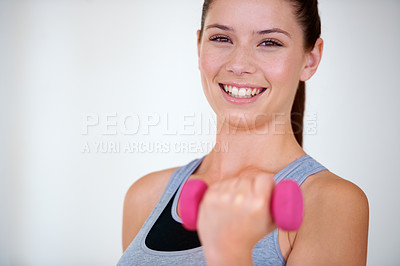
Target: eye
(220,38)
(270,43)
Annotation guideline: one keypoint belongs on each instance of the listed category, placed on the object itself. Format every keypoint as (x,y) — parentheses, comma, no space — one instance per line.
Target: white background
(64,61)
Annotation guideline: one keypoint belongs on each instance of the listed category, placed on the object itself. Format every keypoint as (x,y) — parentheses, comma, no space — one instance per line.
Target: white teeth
(235,92)
(241,92)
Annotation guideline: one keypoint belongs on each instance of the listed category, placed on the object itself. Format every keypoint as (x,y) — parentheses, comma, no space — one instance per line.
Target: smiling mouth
(241,93)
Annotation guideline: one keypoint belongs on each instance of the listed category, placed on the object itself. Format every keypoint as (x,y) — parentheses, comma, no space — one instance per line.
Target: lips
(241,92)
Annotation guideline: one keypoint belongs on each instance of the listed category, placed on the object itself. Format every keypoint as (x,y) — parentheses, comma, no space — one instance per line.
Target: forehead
(253,15)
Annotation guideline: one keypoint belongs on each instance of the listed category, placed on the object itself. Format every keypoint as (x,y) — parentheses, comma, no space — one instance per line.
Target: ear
(312,60)
(198,43)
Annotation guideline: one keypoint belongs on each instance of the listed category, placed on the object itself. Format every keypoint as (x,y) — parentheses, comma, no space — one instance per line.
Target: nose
(241,62)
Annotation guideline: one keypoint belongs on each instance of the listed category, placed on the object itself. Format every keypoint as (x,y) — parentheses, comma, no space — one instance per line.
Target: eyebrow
(219,26)
(261,32)
(274,30)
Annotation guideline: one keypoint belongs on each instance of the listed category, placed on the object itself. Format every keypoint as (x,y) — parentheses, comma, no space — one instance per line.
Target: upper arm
(140,200)
(335,225)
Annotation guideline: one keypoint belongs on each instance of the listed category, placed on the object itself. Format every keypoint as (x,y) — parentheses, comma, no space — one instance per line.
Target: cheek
(282,70)
(210,63)
(209,66)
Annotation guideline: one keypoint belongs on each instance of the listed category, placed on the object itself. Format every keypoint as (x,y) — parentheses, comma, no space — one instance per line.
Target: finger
(263,185)
(242,191)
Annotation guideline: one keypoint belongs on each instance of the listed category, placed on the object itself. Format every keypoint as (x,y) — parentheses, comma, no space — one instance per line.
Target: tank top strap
(177,178)
(180,176)
(300,169)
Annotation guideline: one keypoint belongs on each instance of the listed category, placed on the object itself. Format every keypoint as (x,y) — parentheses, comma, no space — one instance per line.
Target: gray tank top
(162,227)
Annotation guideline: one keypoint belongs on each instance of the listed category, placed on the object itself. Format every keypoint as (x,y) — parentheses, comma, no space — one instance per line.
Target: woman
(254,57)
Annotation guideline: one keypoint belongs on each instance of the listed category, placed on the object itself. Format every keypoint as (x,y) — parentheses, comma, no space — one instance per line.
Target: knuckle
(238,199)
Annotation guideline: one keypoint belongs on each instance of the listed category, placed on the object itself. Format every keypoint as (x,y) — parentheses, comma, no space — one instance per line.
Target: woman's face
(254,50)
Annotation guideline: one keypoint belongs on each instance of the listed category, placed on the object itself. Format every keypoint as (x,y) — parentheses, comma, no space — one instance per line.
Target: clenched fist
(234,215)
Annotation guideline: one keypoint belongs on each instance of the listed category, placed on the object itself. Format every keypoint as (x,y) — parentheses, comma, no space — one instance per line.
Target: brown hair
(306,12)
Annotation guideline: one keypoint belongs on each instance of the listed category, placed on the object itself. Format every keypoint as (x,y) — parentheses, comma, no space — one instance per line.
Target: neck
(269,148)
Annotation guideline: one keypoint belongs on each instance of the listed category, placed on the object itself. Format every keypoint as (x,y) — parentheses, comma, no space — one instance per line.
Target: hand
(234,215)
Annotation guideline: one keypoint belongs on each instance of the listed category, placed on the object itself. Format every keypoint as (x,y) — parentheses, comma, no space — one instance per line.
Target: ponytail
(297,113)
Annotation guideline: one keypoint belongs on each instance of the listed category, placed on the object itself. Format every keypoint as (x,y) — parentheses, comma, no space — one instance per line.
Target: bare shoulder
(331,188)
(335,225)
(140,199)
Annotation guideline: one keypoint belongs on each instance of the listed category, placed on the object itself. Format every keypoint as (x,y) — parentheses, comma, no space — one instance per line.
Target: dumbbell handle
(286,204)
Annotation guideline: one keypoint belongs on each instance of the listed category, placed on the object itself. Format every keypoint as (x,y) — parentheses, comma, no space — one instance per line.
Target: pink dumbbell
(286,204)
